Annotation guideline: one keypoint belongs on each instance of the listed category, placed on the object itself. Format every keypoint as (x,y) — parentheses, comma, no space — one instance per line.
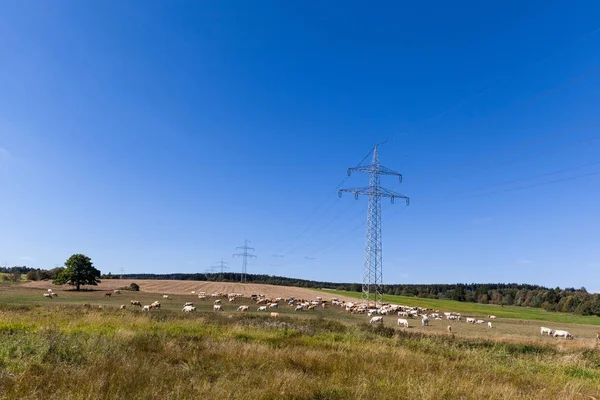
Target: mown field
(61,349)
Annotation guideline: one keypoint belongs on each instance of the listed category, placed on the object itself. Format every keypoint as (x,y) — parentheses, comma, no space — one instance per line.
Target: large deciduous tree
(79,271)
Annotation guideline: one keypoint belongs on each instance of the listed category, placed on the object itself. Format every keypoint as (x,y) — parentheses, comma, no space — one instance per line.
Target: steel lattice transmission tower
(245,256)
(222,265)
(372,285)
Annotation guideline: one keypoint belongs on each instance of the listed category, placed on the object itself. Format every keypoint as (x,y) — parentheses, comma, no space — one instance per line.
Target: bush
(134,287)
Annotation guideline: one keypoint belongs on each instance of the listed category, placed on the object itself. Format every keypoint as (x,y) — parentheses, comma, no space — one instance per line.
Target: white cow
(217,307)
(479,321)
(48,295)
(546,330)
(564,334)
(146,308)
(425,321)
(262,308)
(489,324)
(491,316)
(298,308)
(470,320)
(273,305)
(375,320)
(165,296)
(188,309)
(402,321)
(50,290)
(242,308)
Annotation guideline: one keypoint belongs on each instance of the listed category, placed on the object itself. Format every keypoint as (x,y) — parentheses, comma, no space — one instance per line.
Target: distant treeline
(569,300)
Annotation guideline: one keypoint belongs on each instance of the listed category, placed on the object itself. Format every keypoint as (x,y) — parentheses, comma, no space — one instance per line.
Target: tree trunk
(78,286)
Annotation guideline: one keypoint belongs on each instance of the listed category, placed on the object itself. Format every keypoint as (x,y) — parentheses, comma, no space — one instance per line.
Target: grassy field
(482,310)
(62,349)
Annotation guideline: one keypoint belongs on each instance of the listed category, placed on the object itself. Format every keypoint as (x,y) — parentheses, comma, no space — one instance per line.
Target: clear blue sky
(156,136)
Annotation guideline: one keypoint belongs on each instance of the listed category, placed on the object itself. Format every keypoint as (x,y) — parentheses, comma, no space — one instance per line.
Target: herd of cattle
(264,303)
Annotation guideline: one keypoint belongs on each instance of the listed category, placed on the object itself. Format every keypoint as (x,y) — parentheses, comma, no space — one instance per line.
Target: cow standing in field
(377,320)
(564,334)
(545,330)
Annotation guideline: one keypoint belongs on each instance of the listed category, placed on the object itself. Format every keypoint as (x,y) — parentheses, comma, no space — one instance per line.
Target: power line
(245,255)
(490,88)
(536,184)
(545,174)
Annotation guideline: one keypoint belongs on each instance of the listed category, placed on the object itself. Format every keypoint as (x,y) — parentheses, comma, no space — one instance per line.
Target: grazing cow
(401,321)
(273,305)
(107,294)
(156,305)
(188,309)
(217,307)
(491,316)
(298,308)
(378,320)
(546,330)
(479,321)
(166,296)
(470,320)
(425,321)
(217,302)
(146,308)
(48,295)
(564,334)
(50,290)
(117,291)
(489,325)
(262,308)
(193,292)
(54,294)
(275,315)
(242,308)
(135,303)
(122,307)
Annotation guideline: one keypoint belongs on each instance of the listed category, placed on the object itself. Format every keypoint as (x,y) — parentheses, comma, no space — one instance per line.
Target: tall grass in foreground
(79,353)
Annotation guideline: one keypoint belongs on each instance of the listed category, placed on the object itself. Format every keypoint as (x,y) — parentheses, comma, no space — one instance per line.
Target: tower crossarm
(376,169)
(370,191)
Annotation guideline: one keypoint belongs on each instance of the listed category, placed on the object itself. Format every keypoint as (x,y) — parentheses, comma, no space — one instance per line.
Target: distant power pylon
(210,270)
(245,256)
(222,265)
(372,285)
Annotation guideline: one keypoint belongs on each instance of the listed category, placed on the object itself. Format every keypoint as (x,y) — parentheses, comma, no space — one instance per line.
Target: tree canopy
(79,271)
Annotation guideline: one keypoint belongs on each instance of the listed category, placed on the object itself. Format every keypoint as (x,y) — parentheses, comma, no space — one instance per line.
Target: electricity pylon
(245,256)
(222,265)
(372,285)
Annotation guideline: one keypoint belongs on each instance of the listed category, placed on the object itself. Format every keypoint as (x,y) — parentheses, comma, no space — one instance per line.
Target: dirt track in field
(185,287)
